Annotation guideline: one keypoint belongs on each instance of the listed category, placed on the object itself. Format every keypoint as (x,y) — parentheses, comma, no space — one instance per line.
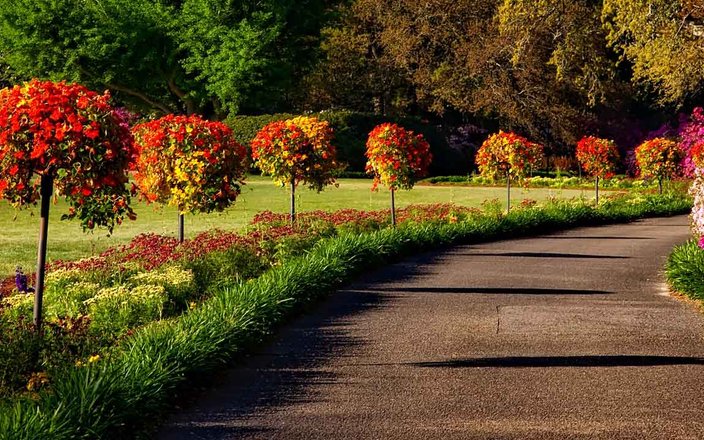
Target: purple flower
(21,281)
(701,242)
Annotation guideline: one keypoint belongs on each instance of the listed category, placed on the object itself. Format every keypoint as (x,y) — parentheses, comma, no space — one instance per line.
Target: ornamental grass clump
(598,158)
(397,158)
(189,163)
(295,151)
(658,158)
(510,156)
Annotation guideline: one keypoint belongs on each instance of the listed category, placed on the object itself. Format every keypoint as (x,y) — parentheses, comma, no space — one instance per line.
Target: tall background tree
(212,56)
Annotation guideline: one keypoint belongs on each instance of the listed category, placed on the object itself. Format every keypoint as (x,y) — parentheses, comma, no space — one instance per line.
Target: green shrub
(685,270)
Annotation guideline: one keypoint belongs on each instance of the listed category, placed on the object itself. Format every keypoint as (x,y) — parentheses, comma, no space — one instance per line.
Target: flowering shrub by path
(297,150)
(597,157)
(73,134)
(658,158)
(506,153)
(396,157)
(190,163)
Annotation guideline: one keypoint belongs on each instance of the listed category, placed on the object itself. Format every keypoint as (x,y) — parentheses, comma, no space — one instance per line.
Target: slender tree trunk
(596,189)
(508,192)
(47,184)
(181,226)
(660,185)
(293,201)
(393,208)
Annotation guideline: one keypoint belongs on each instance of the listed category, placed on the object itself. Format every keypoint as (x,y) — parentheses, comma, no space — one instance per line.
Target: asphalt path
(564,336)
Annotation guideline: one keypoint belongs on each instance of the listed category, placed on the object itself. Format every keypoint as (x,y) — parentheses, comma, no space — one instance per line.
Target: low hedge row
(123,394)
(351,132)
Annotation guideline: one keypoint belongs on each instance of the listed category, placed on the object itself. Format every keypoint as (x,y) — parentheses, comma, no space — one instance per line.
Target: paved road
(563,336)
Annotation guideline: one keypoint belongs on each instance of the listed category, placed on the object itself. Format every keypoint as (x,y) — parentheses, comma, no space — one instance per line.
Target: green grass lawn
(18,230)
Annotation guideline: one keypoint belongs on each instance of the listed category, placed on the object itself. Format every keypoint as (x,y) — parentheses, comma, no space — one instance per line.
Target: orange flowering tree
(658,158)
(598,158)
(396,157)
(295,151)
(64,135)
(189,163)
(508,155)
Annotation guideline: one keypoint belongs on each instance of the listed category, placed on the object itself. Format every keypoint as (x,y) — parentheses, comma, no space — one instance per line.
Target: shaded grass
(124,394)
(18,236)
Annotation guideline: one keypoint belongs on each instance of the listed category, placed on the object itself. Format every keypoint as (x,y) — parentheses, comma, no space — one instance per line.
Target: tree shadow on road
(490,290)
(563,361)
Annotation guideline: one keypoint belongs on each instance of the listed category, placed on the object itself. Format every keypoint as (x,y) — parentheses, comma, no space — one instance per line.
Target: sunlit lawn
(66,241)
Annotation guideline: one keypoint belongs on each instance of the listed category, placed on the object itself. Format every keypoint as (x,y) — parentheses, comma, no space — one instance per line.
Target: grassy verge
(125,392)
(685,270)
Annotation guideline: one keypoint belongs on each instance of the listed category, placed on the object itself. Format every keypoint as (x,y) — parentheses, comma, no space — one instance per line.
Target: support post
(47,184)
(393,209)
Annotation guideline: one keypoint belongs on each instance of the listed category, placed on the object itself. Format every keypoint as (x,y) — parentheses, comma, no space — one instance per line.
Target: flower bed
(155,277)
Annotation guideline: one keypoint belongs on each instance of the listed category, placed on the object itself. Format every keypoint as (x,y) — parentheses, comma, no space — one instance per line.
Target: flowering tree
(508,155)
(658,158)
(598,158)
(396,157)
(294,151)
(696,153)
(64,135)
(190,163)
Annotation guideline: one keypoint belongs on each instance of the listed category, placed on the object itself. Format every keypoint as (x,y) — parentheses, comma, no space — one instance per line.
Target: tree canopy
(166,55)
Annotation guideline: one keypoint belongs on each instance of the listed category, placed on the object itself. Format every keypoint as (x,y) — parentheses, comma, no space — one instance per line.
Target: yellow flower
(94,358)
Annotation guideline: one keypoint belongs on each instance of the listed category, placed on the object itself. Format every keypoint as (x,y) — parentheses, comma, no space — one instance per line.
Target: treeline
(552,70)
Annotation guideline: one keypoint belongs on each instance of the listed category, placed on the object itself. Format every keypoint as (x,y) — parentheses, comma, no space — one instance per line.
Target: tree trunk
(596,189)
(393,209)
(47,184)
(508,193)
(181,226)
(293,201)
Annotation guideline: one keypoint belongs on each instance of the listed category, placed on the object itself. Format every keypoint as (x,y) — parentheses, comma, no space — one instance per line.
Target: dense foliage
(187,162)
(73,135)
(396,157)
(197,55)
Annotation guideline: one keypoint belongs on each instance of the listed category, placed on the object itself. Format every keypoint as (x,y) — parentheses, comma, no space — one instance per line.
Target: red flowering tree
(510,156)
(396,157)
(598,158)
(189,163)
(658,158)
(64,135)
(295,151)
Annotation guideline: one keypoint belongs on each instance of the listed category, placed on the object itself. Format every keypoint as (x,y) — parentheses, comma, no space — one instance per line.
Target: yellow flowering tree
(190,163)
(295,151)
